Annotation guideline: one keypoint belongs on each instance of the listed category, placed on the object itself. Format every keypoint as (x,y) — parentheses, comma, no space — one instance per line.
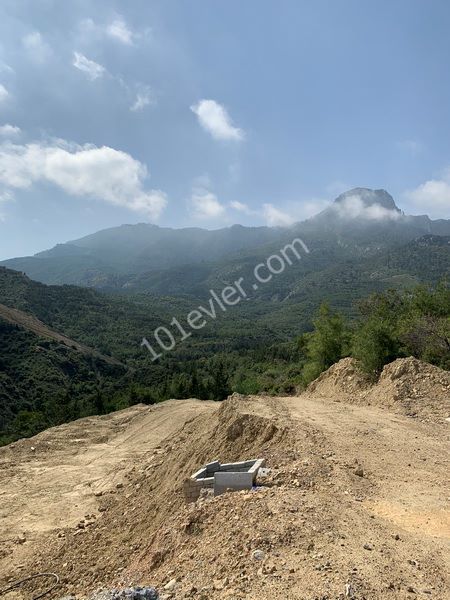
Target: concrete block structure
(222,477)
(232,481)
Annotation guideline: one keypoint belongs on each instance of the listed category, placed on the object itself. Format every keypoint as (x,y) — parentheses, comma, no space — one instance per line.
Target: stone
(258,555)
(220,584)
(171,585)
(348,591)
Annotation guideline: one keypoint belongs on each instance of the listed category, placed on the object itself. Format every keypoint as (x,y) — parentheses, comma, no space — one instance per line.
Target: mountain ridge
(362,220)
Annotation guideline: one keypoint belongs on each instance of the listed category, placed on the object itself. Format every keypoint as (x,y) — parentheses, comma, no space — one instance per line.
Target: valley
(224,300)
(71,351)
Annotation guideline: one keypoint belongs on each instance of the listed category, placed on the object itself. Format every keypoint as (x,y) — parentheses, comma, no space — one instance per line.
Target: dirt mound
(59,478)
(344,379)
(340,510)
(408,386)
(133,511)
(415,387)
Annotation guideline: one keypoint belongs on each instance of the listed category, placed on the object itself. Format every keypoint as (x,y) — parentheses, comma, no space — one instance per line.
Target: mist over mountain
(360,221)
(69,351)
(365,210)
(363,204)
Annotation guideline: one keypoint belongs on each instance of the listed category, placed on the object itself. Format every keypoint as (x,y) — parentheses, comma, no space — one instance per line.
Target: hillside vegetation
(332,302)
(128,257)
(47,380)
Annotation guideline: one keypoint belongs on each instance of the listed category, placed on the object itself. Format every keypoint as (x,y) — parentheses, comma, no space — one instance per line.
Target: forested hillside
(43,383)
(257,346)
(73,351)
(359,223)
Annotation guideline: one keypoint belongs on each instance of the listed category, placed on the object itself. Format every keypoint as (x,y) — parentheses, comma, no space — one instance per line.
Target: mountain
(372,216)
(33,325)
(68,351)
(360,221)
(368,198)
(46,377)
(131,249)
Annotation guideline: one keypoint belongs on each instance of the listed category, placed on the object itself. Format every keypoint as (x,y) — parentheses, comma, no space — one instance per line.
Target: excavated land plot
(357,495)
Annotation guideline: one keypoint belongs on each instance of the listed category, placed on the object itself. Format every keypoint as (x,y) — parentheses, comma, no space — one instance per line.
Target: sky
(207,113)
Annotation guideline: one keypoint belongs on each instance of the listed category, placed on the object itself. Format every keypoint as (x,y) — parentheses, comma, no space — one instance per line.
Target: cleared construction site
(354,502)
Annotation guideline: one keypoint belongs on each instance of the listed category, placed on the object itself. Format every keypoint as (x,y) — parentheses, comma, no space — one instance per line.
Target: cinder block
(212,467)
(199,474)
(258,464)
(224,481)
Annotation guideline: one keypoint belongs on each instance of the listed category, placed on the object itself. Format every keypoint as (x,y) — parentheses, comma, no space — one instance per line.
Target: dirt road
(407,462)
(53,480)
(357,499)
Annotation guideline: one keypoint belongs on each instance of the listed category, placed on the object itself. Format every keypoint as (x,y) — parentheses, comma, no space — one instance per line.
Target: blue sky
(209,113)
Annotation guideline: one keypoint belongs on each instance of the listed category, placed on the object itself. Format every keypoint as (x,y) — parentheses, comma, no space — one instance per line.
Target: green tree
(424,329)
(326,344)
(374,345)
(376,340)
(220,387)
(28,423)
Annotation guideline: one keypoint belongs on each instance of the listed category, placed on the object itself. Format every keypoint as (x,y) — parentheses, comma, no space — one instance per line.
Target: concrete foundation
(222,477)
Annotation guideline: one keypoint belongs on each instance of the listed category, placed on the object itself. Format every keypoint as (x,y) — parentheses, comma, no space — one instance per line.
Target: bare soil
(31,323)
(356,500)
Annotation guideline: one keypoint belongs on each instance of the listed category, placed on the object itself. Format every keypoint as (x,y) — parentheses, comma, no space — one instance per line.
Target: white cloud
(243,208)
(119,30)
(92,69)
(275,217)
(38,50)
(102,173)
(5,68)
(214,118)
(3,93)
(297,211)
(202,182)
(353,207)
(87,27)
(432,197)
(6,196)
(310,208)
(144,98)
(206,204)
(240,206)
(8,130)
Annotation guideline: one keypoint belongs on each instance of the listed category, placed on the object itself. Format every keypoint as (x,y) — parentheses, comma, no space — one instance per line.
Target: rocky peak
(369,198)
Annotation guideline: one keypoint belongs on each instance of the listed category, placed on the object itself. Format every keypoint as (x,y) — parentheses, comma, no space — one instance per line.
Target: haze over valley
(224,300)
